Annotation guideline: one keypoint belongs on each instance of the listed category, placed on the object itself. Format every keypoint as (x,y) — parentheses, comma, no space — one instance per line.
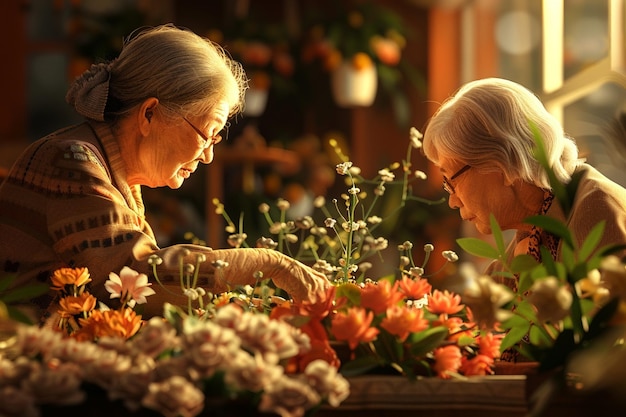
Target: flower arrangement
(396,322)
(176,365)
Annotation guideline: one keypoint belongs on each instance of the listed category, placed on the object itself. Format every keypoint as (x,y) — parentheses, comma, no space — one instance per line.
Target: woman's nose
(454,202)
(206,157)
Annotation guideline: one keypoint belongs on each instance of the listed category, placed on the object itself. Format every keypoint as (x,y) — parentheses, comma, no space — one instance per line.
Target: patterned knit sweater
(66,203)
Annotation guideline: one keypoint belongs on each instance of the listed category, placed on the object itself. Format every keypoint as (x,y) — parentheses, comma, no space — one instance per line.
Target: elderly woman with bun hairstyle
(152,115)
(482,140)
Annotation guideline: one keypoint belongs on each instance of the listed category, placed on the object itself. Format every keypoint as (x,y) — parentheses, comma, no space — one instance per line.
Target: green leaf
(478,247)
(6,281)
(553,226)
(523,263)
(18,315)
(591,241)
(600,320)
(360,365)
(514,336)
(25,293)
(568,257)
(426,341)
(350,291)
(497,233)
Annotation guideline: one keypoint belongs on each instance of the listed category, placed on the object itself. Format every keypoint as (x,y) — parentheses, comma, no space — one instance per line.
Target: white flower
(56,384)
(16,402)
(289,398)
(129,285)
(107,366)
(485,297)
(207,345)
(155,337)
(133,385)
(613,276)
(325,379)
(420,175)
(251,372)
(386,175)
(354,190)
(342,169)
(450,255)
(374,219)
(416,137)
(330,222)
(174,397)
(282,204)
(551,299)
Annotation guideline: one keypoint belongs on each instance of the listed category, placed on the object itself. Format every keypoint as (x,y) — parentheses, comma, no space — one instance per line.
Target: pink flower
(129,285)
(447,360)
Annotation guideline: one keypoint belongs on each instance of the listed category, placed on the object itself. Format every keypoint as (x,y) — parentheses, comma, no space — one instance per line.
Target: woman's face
(180,146)
(478,194)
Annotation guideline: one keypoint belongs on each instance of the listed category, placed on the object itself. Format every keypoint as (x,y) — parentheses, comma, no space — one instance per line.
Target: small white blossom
(264,208)
(421,175)
(330,222)
(416,137)
(386,175)
(450,255)
(342,169)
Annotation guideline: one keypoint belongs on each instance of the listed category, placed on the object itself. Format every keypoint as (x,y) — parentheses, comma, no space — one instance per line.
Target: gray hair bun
(89,92)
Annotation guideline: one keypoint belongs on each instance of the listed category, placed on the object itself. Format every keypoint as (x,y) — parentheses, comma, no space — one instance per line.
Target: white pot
(354,87)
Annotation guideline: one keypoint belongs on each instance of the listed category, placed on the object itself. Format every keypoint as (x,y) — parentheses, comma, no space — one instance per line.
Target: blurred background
(418,52)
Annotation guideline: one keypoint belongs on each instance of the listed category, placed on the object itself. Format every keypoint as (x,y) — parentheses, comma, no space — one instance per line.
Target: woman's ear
(145,115)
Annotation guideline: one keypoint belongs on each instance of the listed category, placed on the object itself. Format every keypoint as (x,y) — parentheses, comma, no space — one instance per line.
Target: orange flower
(112,323)
(447,359)
(69,276)
(380,295)
(70,306)
(387,50)
(444,302)
(320,308)
(400,321)
(489,344)
(478,365)
(353,326)
(320,349)
(414,289)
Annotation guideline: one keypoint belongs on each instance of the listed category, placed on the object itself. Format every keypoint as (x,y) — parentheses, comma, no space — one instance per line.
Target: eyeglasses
(208,142)
(446,181)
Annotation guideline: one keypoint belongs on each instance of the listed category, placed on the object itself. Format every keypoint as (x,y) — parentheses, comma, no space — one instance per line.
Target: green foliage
(11,298)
